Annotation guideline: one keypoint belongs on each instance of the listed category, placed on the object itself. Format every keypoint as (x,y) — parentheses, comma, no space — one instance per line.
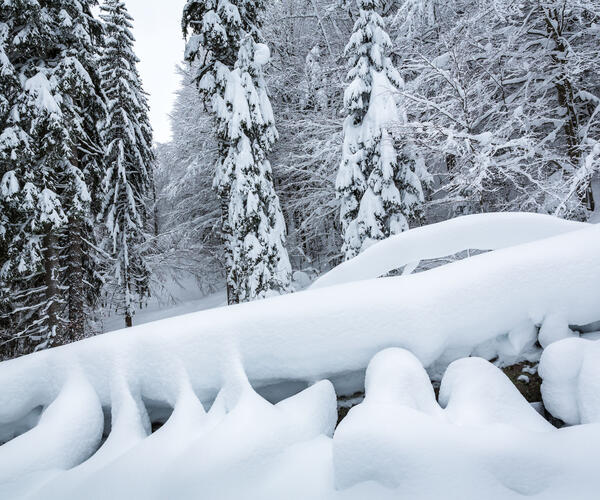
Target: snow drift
(171,370)
(482,436)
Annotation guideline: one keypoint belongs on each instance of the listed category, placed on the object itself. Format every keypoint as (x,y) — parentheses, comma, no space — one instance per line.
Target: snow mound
(554,328)
(570,370)
(490,231)
(256,367)
(482,436)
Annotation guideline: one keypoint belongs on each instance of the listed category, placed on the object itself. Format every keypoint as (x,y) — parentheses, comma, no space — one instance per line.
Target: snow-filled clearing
(178,298)
(97,398)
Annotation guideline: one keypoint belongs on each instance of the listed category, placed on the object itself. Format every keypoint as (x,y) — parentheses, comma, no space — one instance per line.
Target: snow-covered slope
(489,305)
(179,298)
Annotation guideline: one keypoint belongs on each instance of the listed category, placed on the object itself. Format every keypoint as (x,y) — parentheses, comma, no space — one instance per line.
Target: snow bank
(400,442)
(220,453)
(488,303)
(472,232)
(570,371)
(484,439)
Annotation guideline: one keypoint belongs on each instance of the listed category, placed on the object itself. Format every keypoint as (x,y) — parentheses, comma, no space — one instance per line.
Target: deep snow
(481,436)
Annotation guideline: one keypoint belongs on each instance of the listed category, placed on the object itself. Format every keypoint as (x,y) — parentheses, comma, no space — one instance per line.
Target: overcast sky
(159,45)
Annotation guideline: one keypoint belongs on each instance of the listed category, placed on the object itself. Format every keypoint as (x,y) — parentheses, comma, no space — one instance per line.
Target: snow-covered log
(491,231)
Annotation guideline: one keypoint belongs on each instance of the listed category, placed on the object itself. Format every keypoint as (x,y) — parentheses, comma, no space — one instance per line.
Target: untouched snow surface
(97,398)
(178,298)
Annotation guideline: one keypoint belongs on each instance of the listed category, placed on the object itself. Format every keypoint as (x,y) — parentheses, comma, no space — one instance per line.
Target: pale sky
(159,46)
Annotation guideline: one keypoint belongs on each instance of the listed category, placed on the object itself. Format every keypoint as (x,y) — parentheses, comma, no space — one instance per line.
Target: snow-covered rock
(570,370)
(483,438)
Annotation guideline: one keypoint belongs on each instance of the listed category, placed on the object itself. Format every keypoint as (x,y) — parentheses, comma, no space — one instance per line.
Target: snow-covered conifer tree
(81,172)
(379,188)
(50,154)
(129,161)
(224,44)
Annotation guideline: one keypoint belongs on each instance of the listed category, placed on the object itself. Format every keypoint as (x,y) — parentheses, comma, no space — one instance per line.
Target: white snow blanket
(96,398)
(481,440)
(570,370)
(488,304)
(490,231)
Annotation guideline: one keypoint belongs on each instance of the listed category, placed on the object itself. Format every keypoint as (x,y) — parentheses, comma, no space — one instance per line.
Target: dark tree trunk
(154,206)
(75,282)
(564,88)
(51,265)
(231,296)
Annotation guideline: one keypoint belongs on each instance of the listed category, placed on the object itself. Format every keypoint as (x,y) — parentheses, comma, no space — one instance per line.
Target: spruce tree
(378,186)
(50,157)
(84,108)
(129,161)
(225,46)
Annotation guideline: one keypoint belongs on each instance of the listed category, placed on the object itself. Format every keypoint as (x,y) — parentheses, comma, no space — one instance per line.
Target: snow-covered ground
(248,392)
(480,440)
(177,298)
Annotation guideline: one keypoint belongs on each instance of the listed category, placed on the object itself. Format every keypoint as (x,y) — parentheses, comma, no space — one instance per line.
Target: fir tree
(129,160)
(83,110)
(50,154)
(378,187)
(224,43)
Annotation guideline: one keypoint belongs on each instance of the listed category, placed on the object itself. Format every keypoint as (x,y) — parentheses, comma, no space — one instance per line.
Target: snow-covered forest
(365,265)
(348,121)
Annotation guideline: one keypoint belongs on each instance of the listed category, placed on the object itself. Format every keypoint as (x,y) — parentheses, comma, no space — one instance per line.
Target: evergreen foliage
(224,45)
(380,190)
(129,163)
(50,167)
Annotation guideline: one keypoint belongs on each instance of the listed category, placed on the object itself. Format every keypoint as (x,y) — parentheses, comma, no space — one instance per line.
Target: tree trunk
(231,297)
(76,329)
(564,88)
(52,287)
(154,206)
